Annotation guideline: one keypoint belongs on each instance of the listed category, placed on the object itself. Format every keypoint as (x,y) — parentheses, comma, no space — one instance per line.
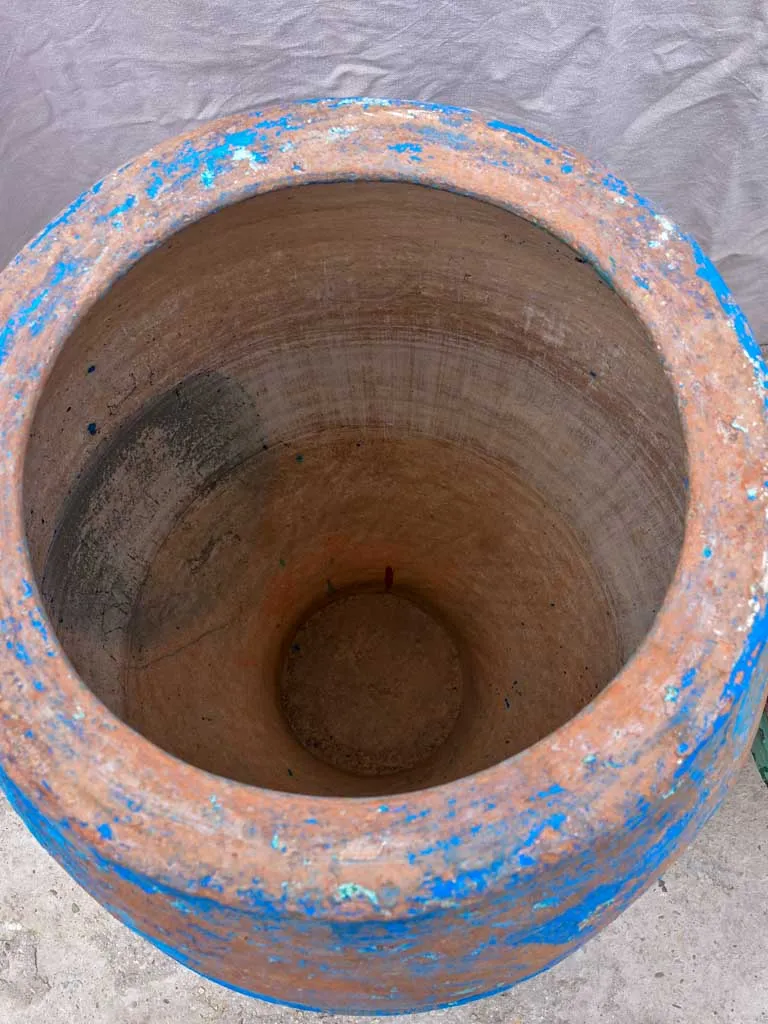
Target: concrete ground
(693,950)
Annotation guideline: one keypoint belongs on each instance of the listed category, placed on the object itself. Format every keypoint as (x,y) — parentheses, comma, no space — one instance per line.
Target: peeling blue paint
(411,148)
(514,129)
(66,215)
(114,214)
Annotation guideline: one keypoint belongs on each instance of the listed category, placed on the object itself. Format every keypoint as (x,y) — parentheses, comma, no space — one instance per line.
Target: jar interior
(354,489)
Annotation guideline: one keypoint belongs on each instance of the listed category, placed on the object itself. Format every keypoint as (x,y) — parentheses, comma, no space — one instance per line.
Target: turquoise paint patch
(277,845)
(351,891)
(552,901)
(641,282)
(602,274)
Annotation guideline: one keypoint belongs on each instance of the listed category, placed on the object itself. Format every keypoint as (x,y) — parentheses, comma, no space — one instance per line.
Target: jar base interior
(371,682)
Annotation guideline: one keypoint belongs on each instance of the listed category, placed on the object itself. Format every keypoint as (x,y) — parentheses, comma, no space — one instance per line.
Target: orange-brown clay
(383,549)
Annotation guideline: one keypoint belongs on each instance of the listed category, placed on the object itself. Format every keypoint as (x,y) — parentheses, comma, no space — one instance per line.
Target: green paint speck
(277,845)
(299,457)
(282,563)
(351,890)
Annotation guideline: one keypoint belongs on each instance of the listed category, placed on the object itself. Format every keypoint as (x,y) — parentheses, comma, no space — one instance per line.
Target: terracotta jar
(383,549)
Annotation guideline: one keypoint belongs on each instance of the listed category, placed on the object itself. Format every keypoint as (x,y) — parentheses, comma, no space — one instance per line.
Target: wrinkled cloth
(671,96)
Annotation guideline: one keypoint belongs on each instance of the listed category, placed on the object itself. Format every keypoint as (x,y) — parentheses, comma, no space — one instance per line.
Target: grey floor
(693,949)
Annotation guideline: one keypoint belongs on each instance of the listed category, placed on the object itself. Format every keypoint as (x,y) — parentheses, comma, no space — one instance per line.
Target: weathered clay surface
(519,402)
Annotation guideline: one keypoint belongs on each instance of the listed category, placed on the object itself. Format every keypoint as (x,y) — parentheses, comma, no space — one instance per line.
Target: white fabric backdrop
(671,94)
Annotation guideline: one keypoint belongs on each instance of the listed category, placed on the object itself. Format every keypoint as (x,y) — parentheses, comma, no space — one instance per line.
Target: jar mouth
(674,680)
(394,510)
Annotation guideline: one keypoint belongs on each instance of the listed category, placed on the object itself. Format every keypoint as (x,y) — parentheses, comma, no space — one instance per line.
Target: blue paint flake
(708,273)
(567,168)
(689,676)
(671,694)
(153,188)
(514,129)
(614,184)
(20,652)
(412,148)
(641,282)
(114,214)
(707,551)
(105,831)
(37,623)
(66,214)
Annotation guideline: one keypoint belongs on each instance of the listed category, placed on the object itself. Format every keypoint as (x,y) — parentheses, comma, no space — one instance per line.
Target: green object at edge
(760,748)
